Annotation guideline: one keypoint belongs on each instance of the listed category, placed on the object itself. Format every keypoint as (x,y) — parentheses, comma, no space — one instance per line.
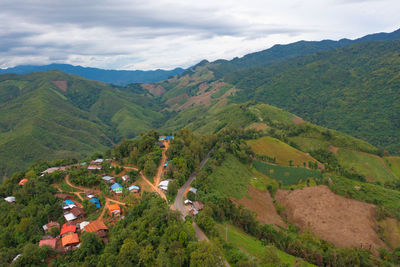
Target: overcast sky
(151,34)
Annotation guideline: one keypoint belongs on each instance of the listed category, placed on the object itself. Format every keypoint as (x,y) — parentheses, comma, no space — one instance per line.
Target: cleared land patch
(372,166)
(62,85)
(344,222)
(287,175)
(283,153)
(261,203)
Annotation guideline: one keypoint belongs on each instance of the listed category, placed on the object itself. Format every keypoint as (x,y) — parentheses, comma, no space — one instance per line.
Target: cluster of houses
(117,188)
(195,206)
(68,238)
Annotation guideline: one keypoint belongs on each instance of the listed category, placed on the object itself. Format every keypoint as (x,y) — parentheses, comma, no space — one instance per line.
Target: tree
(206,254)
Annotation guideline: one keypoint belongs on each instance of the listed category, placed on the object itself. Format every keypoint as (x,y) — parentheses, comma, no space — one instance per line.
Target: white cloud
(151,34)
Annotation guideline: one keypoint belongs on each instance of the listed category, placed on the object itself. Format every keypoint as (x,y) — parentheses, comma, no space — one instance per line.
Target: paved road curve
(178,204)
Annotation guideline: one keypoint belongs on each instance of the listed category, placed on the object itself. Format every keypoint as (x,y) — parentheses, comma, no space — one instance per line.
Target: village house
(107,178)
(82,225)
(97,161)
(79,213)
(48,242)
(69,217)
(10,199)
(114,210)
(90,194)
(53,169)
(51,225)
(70,240)
(163,185)
(95,201)
(193,190)
(67,229)
(97,227)
(125,178)
(117,188)
(68,204)
(94,167)
(134,189)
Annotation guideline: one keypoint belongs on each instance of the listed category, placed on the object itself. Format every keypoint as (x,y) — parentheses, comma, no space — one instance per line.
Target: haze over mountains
(351,86)
(118,77)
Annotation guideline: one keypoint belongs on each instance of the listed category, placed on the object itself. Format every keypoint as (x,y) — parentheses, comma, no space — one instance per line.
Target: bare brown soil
(298,120)
(154,90)
(262,203)
(62,85)
(344,222)
(203,97)
(334,149)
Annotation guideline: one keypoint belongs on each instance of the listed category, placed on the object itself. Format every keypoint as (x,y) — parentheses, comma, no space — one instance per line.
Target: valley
(284,157)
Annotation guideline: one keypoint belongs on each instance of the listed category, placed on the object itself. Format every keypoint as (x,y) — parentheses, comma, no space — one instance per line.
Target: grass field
(287,175)
(390,232)
(308,143)
(394,164)
(272,147)
(372,166)
(254,247)
(231,178)
(367,192)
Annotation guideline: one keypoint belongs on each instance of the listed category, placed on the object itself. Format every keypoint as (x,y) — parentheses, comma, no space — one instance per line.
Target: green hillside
(42,121)
(352,89)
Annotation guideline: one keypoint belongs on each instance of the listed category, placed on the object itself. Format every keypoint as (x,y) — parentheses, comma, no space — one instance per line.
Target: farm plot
(286,175)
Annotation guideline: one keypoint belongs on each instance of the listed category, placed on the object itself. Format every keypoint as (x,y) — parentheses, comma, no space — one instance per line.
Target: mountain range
(347,85)
(118,77)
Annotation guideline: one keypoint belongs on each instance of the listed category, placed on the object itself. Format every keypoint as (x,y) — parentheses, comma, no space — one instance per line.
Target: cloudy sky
(151,34)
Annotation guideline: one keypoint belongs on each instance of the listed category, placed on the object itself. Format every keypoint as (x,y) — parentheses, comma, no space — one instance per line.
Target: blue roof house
(95,201)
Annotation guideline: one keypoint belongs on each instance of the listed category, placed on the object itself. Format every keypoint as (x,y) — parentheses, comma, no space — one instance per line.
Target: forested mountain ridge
(353,89)
(118,77)
(54,115)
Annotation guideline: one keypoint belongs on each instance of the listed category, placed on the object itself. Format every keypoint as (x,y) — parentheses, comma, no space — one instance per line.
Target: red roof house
(70,228)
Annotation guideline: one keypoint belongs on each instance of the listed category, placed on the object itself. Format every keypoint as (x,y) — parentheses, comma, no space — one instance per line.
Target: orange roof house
(48,242)
(95,226)
(114,210)
(23,181)
(70,240)
(67,229)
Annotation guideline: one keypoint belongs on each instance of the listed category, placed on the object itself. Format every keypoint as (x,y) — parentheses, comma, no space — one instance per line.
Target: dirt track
(261,203)
(344,222)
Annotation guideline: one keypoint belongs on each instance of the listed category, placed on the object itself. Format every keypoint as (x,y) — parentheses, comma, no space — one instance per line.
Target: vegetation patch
(231,178)
(372,166)
(394,163)
(385,198)
(282,152)
(253,246)
(286,175)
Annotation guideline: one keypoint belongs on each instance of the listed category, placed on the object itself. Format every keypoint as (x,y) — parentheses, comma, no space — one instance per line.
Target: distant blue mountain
(118,77)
